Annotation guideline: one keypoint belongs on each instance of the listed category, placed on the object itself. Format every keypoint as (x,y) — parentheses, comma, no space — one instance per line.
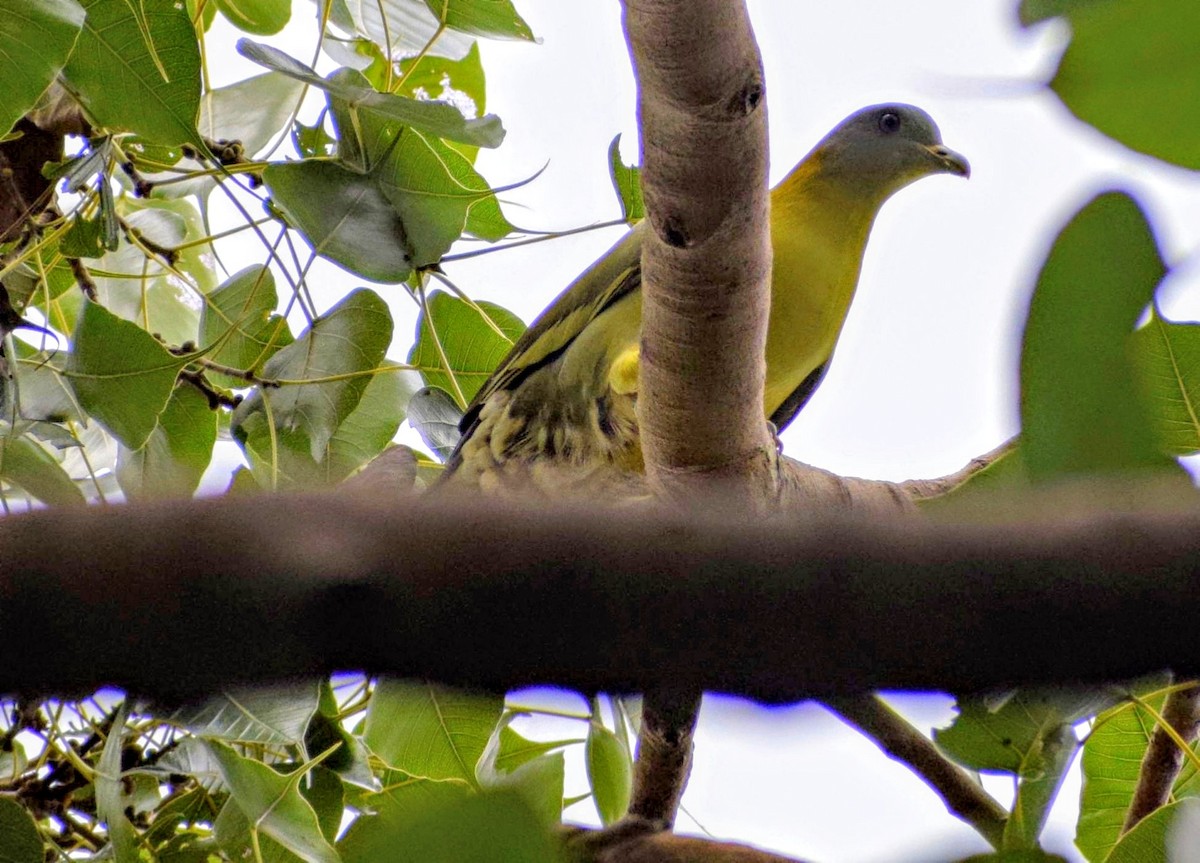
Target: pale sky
(925,374)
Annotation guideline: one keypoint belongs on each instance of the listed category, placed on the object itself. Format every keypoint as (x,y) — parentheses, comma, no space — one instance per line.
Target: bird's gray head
(881,149)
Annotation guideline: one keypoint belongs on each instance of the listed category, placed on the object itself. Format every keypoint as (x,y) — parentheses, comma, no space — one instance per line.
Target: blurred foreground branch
(187,598)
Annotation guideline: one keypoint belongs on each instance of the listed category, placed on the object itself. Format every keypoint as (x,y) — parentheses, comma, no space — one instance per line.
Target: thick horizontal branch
(185,598)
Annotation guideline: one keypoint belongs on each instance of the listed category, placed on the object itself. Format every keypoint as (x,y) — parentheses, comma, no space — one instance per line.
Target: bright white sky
(925,373)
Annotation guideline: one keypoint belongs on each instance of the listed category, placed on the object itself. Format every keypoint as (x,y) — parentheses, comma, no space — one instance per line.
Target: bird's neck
(819,230)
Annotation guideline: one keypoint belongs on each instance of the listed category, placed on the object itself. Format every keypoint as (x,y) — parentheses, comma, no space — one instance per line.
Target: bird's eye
(889,122)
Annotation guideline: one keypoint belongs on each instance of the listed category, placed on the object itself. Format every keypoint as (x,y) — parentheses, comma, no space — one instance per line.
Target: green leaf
(240,325)
(1148,842)
(540,782)
(350,760)
(1036,791)
(1011,737)
(627,183)
(1006,475)
(370,427)
(273,804)
(460,82)
(361,436)
(84,239)
(110,796)
(342,345)
(1081,408)
(1167,356)
(429,731)
(403,802)
(477,829)
(261,17)
(1133,71)
(495,18)
(136,67)
(1111,764)
(178,451)
(276,716)
(439,195)
(26,464)
(436,118)
(344,216)
(1035,11)
(472,347)
(36,37)
(19,838)
(435,417)
(1030,855)
(610,772)
(121,374)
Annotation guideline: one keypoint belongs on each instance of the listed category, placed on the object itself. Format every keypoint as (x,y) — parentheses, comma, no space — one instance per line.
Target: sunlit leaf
(1168,358)
(275,715)
(495,18)
(627,183)
(1148,841)
(273,804)
(430,731)
(1111,764)
(142,288)
(485,828)
(471,346)
(1009,737)
(610,772)
(253,110)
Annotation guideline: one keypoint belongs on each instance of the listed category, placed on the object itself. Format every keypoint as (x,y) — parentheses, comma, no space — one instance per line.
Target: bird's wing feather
(792,405)
(614,276)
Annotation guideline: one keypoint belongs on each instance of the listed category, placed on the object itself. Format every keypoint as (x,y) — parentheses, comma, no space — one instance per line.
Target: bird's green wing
(613,276)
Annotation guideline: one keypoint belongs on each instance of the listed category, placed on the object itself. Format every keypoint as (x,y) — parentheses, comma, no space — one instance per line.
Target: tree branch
(963,796)
(190,597)
(1163,759)
(706,267)
(706,263)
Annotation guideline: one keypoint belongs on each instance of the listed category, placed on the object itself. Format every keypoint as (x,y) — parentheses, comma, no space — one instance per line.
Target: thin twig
(892,733)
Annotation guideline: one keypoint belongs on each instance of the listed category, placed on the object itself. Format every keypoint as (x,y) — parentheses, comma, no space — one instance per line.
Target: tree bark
(706,263)
(1164,759)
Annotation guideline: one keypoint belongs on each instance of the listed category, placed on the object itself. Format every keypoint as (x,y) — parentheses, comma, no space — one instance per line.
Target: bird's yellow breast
(818,234)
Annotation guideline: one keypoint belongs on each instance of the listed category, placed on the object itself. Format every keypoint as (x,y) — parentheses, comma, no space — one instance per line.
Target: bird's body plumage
(565,397)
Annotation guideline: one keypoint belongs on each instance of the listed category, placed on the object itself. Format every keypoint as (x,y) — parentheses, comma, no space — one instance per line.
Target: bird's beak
(950,161)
